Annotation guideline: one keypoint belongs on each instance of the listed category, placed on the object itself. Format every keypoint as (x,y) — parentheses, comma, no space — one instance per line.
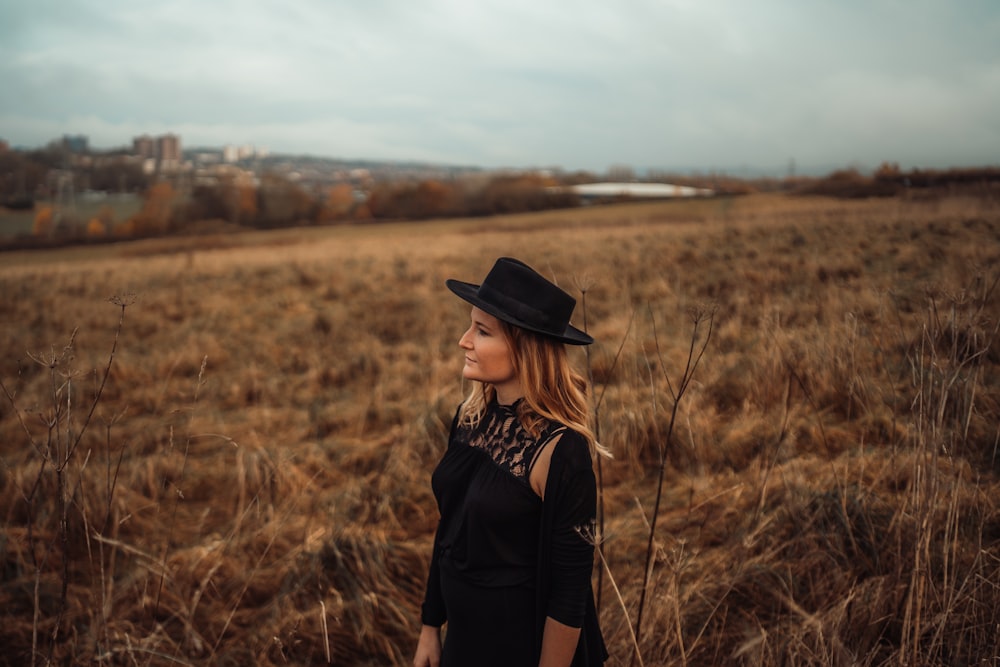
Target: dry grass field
(217,450)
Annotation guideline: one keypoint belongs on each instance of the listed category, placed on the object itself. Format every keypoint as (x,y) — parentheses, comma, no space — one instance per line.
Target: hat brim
(470,292)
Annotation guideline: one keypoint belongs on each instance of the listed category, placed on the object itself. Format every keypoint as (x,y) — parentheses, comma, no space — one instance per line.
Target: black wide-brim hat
(517,294)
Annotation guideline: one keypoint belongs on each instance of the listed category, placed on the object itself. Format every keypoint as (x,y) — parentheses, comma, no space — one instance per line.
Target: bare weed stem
(696,350)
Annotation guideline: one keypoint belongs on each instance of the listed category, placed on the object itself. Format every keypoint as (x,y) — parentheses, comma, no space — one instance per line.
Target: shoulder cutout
(540,466)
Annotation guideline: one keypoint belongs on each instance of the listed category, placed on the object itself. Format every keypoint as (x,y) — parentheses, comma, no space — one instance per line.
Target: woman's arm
(567,545)
(428,647)
(558,644)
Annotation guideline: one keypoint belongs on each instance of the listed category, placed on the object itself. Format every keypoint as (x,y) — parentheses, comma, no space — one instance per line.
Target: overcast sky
(576,84)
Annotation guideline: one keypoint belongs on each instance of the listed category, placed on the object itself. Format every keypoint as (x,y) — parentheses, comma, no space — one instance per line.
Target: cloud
(582,84)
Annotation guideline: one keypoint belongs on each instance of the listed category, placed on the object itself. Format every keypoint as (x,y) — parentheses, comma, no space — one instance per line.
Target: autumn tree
(281,202)
(116,176)
(207,202)
(102,222)
(415,201)
(244,203)
(24,175)
(157,210)
(887,171)
(338,204)
(44,219)
(433,199)
(517,194)
(96,228)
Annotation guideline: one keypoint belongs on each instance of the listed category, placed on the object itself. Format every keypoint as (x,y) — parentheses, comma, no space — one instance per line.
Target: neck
(508,393)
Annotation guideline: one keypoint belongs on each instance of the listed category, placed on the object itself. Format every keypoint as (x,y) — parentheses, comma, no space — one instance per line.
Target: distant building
(162,153)
(168,148)
(76,143)
(144,147)
(207,158)
(233,154)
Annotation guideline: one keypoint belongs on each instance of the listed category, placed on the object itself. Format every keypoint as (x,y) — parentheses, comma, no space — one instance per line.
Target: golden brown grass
(253,487)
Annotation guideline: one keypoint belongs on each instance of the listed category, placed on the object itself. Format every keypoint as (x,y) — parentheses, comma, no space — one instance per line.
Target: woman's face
(488,357)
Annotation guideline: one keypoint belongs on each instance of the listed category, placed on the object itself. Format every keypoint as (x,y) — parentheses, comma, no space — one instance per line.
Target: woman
(513,553)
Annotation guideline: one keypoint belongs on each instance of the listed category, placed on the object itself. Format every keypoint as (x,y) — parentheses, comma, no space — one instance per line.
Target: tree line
(275,201)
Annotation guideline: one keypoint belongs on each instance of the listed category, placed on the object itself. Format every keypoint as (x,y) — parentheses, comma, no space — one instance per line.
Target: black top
(495,531)
(488,532)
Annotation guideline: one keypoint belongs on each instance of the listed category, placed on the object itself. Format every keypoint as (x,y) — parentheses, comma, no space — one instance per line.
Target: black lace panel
(502,437)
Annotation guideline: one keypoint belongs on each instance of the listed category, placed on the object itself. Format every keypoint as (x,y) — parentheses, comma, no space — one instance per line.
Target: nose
(465,341)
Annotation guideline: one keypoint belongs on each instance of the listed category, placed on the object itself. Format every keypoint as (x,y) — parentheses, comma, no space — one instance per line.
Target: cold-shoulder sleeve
(567,540)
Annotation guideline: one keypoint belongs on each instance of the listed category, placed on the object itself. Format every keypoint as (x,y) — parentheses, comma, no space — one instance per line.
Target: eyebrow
(482,324)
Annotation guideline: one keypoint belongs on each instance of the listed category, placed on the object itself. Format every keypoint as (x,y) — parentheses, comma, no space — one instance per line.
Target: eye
(482,332)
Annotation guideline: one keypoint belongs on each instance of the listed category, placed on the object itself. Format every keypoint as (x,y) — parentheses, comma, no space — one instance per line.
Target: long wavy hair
(553,390)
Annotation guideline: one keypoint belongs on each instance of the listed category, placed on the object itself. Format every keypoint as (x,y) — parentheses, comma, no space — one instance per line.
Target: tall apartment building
(162,153)
(144,147)
(168,148)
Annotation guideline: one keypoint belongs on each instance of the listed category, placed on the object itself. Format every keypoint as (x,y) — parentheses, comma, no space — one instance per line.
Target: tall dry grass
(253,484)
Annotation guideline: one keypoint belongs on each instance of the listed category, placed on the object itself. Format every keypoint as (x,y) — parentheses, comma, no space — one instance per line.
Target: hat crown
(517,294)
(521,292)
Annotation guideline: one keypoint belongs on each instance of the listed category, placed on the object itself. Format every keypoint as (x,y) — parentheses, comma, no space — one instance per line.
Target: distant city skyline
(665,84)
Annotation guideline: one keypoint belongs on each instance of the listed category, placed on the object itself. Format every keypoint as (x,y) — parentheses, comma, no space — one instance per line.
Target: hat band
(520,310)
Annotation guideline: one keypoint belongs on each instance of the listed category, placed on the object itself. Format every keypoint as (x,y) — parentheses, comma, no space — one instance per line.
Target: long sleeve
(432,611)
(571,554)
(566,549)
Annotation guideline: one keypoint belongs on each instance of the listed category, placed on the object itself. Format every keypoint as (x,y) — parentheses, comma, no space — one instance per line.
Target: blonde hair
(553,390)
